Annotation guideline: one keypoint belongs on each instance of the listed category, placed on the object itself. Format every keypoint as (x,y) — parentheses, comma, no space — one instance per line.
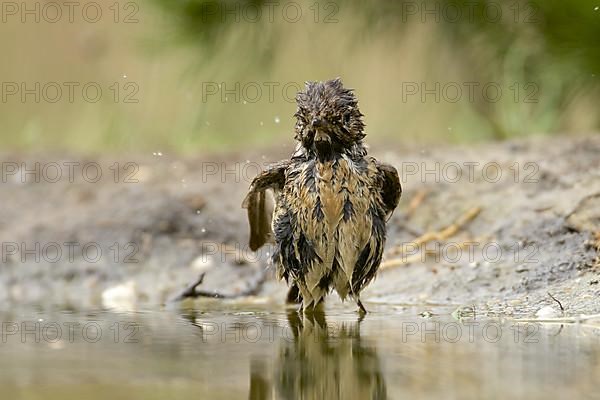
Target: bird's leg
(293,295)
(319,308)
(361,309)
(312,308)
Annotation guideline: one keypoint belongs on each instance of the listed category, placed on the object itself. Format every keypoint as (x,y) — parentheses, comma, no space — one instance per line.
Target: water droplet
(245,102)
(197,211)
(124,76)
(261,123)
(277,120)
(596,8)
(203,230)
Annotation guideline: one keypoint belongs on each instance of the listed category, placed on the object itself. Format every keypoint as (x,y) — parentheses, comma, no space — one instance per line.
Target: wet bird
(332,201)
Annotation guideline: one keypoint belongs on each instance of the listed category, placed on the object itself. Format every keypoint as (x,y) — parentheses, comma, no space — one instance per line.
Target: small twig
(443,234)
(190,291)
(399,261)
(580,203)
(193,292)
(556,300)
(452,229)
(415,202)
(405,260)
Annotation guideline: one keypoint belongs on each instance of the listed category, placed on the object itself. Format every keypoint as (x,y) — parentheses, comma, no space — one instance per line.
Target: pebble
(202,263)
(120,297)
(547,312)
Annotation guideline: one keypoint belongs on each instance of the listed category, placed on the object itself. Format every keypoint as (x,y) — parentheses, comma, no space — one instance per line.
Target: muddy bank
(133,231)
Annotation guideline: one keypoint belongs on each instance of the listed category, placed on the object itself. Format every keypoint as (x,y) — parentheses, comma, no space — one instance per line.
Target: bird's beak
(321,136)
(318,125)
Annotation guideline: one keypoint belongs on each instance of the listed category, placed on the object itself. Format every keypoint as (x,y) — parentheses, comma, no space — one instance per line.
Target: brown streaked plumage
(332,200)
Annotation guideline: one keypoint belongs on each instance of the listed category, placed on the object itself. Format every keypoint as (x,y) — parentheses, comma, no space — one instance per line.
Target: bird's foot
(293,295)
(312,308)
(361,309)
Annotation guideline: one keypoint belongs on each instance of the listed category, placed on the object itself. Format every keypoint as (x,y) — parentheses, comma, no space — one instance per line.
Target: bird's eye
(346,118)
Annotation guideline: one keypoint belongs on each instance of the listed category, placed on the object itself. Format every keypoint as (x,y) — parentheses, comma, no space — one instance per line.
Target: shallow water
(394,352)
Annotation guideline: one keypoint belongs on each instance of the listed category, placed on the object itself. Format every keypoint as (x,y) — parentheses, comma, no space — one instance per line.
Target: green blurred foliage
(566,30)
(546,51)
(553,43)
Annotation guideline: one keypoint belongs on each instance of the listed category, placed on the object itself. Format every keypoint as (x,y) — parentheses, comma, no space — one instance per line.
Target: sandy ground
(515,221)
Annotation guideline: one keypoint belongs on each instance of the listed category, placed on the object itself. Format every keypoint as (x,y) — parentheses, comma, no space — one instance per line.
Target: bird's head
(328,118)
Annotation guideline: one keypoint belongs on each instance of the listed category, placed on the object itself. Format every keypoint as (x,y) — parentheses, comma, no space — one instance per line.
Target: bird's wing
(391,189)
(258,207)
(259,218)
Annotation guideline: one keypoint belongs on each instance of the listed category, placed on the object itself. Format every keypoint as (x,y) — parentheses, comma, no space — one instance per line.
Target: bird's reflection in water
(320,361)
